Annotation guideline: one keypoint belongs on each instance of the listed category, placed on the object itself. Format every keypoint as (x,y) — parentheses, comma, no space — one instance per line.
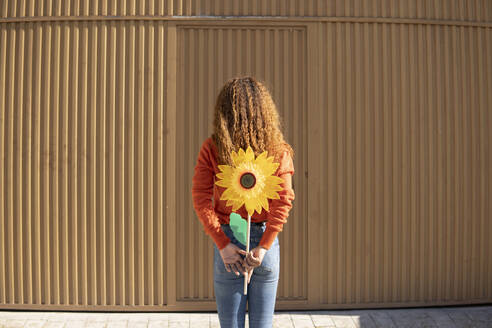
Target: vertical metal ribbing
(3,163)
(82,167)
(138,158)
(111,275)
(64,164)
(442,9)
(103,153)
(73,215)
(130,171)
(121,213)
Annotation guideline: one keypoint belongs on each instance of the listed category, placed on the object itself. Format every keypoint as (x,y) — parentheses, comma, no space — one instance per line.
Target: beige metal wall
(83,163)
(403,168)
(104,105)
(462,10)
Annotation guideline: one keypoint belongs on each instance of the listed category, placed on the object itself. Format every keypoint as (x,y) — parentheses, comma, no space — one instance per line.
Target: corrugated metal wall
(104,105)
(463,10)
(83,163)
(404,163)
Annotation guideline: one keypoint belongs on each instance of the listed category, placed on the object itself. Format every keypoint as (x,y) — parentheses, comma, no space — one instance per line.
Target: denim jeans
(262,289)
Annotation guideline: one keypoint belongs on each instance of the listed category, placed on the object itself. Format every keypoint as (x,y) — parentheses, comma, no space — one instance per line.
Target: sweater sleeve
(279,208)
(202,194)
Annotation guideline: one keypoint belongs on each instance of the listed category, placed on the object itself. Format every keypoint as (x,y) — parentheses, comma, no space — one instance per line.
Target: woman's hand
(253,259)
(232,260)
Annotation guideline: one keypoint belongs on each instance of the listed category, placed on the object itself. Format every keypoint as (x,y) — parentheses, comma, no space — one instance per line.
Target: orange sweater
(214,213)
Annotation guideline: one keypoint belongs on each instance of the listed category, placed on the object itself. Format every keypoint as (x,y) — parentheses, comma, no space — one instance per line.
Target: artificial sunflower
(249,181)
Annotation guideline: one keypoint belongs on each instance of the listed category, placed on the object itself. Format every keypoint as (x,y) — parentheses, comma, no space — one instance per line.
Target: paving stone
(117,324)
(300,316)
(200,323)
(301,319)
(178,317)
(179,324)
(461,319)
(364,320)
(441,318)
(282,315)
(137,317)
(321,319)
(76,324)
(74,316)
(410,318)
(14,323)
(159,324)
(199,319)
(424,319)
(214,321)
(137,320)
(95,324)
(283,322)
(382,319)
(25,315)
(77,318)
(13,315)
(343,321)
(33,323)
(480,315)
(138,324)
(466,319)
(361,318)
(302,323)
(96,319)
(459,316)
(159,316)
(54,324)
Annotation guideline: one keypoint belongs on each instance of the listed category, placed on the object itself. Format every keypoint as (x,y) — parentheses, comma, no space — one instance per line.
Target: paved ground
(469,316)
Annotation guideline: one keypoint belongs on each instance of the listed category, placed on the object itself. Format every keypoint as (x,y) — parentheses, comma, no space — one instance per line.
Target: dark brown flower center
(248,180)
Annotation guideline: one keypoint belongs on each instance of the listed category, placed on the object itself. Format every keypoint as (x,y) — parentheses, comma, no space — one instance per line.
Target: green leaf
(239,227)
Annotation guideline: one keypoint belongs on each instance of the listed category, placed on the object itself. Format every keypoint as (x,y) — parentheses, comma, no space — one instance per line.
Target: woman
(245,115)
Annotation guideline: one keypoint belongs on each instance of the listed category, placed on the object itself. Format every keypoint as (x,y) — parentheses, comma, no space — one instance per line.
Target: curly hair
(246,115)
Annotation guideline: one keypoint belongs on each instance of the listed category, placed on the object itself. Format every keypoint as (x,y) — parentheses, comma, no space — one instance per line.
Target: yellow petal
(268,167)
(239,158)
(224,176)
(230,203)
(258,205)
(249,155)
(273,180)
(264,203)
(250,205)
(225,168)
(270,159)
(277,187)
(271,194)
(228,194)
(237,205)
(223,183)
(262,157)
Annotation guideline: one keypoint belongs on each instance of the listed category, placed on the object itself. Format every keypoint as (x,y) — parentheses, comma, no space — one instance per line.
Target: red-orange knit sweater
(213,214)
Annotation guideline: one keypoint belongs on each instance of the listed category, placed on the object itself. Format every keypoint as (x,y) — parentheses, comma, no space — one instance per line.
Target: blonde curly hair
(246,115)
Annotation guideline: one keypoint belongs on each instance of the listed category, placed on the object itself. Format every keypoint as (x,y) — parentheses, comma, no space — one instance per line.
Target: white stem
(247,251)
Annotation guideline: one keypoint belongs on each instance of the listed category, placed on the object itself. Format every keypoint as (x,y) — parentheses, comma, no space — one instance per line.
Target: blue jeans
(262,289)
